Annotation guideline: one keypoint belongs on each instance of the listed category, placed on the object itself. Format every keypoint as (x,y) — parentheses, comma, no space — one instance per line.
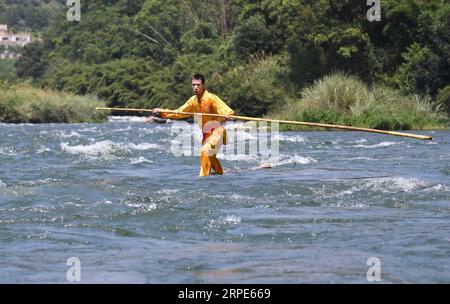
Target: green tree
(426,67)
(33,62)
(200,40)
(160,27)
(420,71)
(29,15)
(252,37)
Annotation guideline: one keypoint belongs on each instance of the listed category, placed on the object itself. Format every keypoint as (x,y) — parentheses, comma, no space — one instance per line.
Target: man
(214,134)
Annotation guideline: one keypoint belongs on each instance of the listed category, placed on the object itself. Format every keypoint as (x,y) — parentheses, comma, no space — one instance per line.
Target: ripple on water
(7,151)
(224,222)
(380,145)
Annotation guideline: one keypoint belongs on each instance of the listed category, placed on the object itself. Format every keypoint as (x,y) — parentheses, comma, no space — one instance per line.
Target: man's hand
(156,111)
(228,118)
(149,119)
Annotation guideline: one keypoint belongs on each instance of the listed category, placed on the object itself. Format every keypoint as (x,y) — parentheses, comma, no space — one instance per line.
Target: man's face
(197,87)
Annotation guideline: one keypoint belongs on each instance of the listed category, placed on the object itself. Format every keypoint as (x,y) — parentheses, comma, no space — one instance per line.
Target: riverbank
(346,100)
(23,103)
(335,99)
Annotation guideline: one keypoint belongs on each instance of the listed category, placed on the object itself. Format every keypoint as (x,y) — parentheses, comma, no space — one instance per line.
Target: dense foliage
(257,54)
(29,15)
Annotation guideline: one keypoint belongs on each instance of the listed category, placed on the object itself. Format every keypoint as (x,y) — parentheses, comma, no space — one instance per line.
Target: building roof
(11,39)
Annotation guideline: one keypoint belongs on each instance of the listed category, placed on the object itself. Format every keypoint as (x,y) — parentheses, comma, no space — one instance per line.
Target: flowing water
(115,197)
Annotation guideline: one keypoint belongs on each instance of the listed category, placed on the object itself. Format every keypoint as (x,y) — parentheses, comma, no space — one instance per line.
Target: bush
(255,88)
(443,98)
(346,100)
(420,71)
(337,93)
(26,104)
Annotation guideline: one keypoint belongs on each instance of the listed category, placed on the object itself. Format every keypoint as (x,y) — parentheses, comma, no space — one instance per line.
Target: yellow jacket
(209,103)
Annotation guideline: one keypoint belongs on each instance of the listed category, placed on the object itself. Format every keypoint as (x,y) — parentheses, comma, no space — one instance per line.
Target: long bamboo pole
(301,123)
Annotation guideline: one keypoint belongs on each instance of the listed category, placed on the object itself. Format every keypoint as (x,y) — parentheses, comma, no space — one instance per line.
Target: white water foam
(360,158)
(140,160)
(9,151)
(294,159)
(143,146)
(264,161)
(231,219)
(142,206)
(395,184)
(2,184)
(63,134)
(152,129)
(129,128)
(105,148)
(438,188)
(242,135)
(70,204)
(126,119)
(380,145)
(349,205)
(384,185)
(39,182)
(360,141)
(102,148)
(290,138)
(43,149)
(237,125)
(90,129)
(228,220)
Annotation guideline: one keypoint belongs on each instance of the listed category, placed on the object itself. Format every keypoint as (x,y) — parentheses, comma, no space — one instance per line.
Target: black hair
(199,77)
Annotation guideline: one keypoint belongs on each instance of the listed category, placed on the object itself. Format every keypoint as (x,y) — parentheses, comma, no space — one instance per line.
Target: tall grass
(7,70)
(23,103)
(346,100)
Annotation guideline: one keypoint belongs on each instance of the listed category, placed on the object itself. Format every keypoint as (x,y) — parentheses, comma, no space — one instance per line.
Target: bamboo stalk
(301,123)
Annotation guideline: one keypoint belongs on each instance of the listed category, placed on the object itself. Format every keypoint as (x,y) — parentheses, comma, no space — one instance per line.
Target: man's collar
(204,94)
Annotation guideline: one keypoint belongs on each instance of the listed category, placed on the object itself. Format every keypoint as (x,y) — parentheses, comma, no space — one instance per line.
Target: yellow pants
(210,148)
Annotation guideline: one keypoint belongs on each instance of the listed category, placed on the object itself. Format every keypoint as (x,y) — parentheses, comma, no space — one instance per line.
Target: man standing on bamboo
(214,134)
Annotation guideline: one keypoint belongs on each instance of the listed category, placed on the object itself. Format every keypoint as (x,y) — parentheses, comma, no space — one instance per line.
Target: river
(337,207)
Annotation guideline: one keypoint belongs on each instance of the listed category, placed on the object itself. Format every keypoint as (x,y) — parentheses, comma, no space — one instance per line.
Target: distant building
(3,29)
(9,40)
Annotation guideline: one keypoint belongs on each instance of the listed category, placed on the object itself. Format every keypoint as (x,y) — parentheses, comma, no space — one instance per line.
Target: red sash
(206,135)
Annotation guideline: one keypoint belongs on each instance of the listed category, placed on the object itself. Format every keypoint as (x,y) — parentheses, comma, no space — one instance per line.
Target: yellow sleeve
(187,107)
(221,108)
